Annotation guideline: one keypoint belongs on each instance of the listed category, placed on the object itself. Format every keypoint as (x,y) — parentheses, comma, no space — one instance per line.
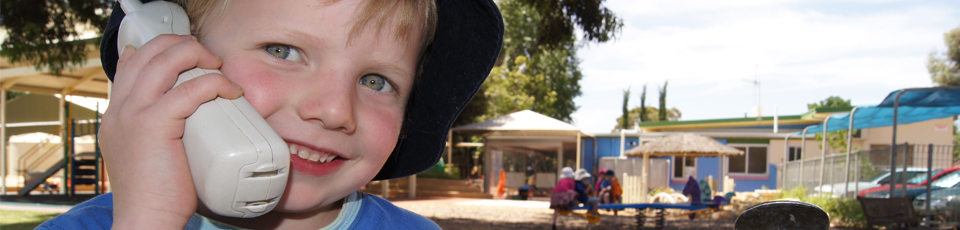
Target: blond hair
(407,12)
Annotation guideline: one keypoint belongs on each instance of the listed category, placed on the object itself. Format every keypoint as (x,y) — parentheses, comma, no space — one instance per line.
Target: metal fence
(934,204)
(864,165)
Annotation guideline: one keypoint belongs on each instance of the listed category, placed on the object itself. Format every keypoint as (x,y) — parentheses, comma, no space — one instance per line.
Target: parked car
(919,180)
(950,180)
(944,204)
(837,189)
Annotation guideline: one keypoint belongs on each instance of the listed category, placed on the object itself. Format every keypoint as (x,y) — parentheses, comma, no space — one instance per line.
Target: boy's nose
(331,107)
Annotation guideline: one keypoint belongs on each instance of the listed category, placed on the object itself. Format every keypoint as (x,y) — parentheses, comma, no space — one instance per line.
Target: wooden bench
(895,211)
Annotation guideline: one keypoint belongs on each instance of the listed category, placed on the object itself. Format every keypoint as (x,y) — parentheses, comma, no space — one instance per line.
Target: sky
(800,52)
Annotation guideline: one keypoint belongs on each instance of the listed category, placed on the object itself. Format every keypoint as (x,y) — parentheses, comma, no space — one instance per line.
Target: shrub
(842,211)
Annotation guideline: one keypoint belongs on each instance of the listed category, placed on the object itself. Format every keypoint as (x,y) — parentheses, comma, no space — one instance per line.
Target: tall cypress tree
(663,102)
(625,120)
(643,105)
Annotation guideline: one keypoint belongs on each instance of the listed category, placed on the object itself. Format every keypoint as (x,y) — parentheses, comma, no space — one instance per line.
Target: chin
(304,193)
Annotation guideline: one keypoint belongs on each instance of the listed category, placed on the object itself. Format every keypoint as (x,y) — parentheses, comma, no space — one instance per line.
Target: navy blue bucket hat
(465,47)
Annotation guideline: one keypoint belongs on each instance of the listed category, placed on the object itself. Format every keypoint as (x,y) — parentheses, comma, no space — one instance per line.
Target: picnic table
(658,218)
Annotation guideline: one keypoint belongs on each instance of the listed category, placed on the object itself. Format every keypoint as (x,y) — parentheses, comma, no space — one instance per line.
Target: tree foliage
(559,17)
(673,114)
(836,139)
(46,33)
(643,105)
(663,101)
(548,79)
(832,101)
(944,68)
(626,112)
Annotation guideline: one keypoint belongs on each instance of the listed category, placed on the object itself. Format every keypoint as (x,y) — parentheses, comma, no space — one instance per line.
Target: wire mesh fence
(842,174)
(868,172)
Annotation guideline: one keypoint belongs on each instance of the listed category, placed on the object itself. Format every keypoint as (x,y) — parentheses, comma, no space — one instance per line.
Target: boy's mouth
(311,155)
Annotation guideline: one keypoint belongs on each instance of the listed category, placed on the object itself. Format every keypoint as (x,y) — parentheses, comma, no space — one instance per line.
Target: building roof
(87,80)
(814,116)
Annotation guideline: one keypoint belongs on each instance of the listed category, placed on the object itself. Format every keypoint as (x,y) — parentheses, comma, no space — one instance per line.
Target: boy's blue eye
(283,52)
(376,82)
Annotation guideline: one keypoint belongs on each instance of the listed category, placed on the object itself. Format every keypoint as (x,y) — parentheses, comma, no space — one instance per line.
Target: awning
(914,106)
(523,123)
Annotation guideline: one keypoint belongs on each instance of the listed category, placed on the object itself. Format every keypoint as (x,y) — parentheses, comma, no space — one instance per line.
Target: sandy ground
(507,214)
(452,213)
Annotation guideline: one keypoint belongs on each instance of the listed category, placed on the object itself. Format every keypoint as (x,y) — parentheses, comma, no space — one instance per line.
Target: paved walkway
(35,207)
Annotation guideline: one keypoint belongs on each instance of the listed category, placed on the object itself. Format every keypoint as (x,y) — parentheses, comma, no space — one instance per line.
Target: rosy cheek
(260,85)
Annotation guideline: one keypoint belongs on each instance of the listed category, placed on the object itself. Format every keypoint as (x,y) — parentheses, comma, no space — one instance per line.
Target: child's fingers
(160,73)
(130,68)
(181,101)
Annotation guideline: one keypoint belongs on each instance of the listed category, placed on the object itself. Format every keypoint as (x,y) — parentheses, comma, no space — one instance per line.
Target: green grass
(16,220)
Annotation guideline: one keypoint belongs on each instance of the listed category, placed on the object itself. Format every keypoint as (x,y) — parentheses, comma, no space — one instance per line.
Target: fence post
(893,167)
(906,161)
(926,224)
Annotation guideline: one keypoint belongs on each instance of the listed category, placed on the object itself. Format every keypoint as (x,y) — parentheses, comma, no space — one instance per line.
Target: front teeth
(306,154)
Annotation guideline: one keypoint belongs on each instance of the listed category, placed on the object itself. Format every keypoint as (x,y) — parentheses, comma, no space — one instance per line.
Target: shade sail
(523,123)
(937,97)
(684,144)
(914,106)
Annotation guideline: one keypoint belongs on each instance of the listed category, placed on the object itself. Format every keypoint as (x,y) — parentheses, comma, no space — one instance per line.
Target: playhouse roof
(684,144)
(523,123)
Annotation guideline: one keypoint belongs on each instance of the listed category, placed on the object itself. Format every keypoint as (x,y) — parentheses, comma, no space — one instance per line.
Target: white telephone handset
(239,164)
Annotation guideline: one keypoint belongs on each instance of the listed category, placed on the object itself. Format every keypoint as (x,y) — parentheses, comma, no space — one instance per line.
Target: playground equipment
(81,169)
(592,218)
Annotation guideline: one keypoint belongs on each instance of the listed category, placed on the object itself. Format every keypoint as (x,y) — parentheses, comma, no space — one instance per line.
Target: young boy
(360,90)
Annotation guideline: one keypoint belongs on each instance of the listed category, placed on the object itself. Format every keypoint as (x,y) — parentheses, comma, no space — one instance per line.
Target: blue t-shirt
(605,183)
(359,211)
(581,192)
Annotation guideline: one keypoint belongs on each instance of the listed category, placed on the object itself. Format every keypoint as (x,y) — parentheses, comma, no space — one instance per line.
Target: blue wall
(706,166)
(606,147)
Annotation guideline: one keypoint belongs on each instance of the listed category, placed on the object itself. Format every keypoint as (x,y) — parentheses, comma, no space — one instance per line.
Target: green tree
(643,105)
(832,101)
(624,124)
(558,18)
(944,69)
(836,139)
(44,32)
(633,116)
(663,101)
(552,76)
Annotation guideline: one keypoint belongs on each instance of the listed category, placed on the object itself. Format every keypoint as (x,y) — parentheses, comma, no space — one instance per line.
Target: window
(754,160)
(794,154)
(683,166)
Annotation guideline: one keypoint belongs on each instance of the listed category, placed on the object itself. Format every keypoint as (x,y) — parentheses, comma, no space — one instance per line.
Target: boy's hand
(142,127)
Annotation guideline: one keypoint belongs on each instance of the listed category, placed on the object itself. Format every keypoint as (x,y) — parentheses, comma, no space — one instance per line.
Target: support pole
(643,178)
(846,174)
(449,147)
(3,140)
(578,151)
(823,154)
(413,186)
(786,154)
(64,144)
(926,205)
(803,152)
(906,160)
